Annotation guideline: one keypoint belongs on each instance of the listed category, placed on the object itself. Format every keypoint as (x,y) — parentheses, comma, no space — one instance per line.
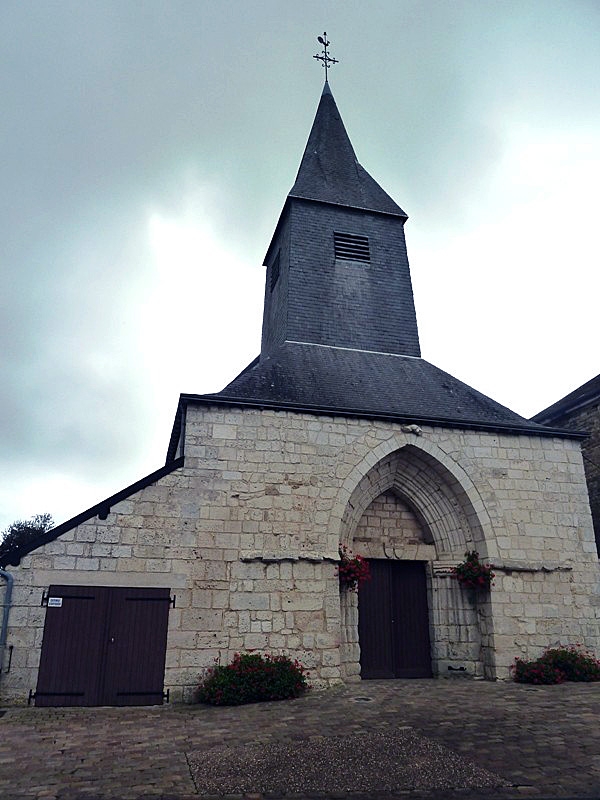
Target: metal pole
(9,578)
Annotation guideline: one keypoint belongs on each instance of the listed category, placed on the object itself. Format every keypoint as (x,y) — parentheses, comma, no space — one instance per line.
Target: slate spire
(339,326)
(330,172)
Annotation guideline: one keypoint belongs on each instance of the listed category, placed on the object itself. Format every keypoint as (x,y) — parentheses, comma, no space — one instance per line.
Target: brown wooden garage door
(393,621)
(103,646)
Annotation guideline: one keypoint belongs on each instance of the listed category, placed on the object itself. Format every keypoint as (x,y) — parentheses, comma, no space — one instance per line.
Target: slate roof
(329,171)
(335,380)
(588,393)
(325,379)
(368,384)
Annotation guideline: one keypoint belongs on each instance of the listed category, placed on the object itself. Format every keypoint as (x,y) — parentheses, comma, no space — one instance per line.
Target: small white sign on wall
(55,602)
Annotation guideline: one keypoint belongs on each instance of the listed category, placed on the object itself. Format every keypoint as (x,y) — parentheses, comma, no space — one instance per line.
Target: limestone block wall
(389,529)
(149,540)
(246,536)
(587,418)
(458,629)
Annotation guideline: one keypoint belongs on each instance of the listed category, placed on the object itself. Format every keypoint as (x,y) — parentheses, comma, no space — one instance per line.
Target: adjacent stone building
(338,433)
(580,411)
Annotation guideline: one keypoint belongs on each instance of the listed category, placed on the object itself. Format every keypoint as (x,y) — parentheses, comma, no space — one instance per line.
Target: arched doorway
(413,516)
(393,621)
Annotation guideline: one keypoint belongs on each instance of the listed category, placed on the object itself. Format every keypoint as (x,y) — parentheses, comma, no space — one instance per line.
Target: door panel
(103,646)
(393,621)
(71,647)
(136,647)
(375,623)
(411,618)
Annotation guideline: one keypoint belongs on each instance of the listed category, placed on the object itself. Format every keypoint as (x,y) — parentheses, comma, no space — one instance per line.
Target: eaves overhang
(101,510)
(408,419)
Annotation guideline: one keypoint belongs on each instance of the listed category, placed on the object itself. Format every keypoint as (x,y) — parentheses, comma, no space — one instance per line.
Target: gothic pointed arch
(432,484)
(452,519)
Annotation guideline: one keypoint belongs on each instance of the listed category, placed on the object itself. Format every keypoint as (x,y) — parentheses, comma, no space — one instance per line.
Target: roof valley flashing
(340,333)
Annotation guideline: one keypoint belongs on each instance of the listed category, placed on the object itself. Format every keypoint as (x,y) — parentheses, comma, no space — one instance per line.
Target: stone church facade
(580,411)
(338,433)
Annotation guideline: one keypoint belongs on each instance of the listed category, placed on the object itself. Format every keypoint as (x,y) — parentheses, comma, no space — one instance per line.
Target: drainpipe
(7,601)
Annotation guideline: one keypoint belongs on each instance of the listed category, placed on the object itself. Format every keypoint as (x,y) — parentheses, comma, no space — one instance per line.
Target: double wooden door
(103,646)
(393,621)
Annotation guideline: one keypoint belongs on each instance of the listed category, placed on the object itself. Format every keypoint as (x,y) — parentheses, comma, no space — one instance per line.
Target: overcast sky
(146,151)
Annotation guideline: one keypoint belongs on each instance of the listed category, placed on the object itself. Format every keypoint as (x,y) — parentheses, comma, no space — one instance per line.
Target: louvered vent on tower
(350,247)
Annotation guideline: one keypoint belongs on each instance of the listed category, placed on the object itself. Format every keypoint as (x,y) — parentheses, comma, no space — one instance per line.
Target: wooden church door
(103,646)
(393,621)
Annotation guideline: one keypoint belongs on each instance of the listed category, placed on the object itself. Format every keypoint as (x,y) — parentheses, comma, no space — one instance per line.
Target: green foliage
(252,678)
(474,574)
(22,531)
(558,664)
(575,663)
(536,672)
(353,570)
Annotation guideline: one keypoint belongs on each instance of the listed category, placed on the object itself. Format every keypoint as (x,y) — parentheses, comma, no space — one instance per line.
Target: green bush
(252,678)
(558,664)
(576,664)
(536,672)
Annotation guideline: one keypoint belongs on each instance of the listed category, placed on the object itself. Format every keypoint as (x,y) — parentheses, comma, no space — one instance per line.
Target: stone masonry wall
(588,419)
(389,529)
(246,536)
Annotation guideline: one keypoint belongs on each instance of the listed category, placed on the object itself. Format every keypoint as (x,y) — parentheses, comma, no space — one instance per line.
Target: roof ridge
(582,395)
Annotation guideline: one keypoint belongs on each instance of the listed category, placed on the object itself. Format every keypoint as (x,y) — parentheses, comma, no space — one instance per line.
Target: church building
(338,434)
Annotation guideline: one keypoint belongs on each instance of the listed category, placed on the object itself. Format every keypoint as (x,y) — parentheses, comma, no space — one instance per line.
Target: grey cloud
(108,109)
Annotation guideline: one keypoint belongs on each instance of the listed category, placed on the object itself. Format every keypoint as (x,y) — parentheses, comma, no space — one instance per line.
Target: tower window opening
(351,247)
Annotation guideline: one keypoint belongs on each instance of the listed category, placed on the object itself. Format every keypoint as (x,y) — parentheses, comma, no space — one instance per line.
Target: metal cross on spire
(324,55)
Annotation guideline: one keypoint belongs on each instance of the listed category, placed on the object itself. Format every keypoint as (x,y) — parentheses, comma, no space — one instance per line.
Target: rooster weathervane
(324,55)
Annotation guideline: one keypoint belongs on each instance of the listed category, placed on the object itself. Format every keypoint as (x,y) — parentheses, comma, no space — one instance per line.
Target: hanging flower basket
(352,570)
(473,574)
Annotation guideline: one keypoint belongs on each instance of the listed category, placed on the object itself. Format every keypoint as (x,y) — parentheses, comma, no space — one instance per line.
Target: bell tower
(339,329)
(337,268)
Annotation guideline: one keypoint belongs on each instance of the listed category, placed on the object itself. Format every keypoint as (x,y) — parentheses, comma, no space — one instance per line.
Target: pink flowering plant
(252,678)
(353,570)
(558,664)
(473,573)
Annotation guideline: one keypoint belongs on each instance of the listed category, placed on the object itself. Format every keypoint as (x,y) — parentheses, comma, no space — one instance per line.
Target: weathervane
(325,57)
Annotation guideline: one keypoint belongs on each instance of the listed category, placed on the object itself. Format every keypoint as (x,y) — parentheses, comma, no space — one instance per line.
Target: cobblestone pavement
(417,739)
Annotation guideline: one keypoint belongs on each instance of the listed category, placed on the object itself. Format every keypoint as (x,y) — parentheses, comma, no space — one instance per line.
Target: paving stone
(541,742)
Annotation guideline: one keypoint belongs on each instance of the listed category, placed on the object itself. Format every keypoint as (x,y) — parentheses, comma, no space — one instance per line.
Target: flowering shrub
(251,678)
(536,672)
(352,570)
(558,664)
(472,573)
(576,663)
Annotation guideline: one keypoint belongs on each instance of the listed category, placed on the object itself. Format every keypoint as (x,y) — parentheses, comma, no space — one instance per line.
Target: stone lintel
(533,566)
(269,558)
(444,567)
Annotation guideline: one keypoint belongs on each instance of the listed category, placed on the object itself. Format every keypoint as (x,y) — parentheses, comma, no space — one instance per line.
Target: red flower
(352,570)
(472,573)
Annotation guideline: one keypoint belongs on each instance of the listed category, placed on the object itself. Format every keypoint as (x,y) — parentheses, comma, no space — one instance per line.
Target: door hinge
(172,601)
